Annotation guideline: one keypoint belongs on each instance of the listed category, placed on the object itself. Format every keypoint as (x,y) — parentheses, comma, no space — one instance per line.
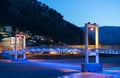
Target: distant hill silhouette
(38,18)
(108,35)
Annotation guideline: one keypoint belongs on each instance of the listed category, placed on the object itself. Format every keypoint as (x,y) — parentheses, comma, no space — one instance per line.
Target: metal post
(86,44)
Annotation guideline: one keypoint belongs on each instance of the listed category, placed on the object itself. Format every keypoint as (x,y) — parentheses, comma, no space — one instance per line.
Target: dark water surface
(59,68)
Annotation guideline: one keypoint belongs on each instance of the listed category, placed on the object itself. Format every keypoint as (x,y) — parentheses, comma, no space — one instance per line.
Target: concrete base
(92,67)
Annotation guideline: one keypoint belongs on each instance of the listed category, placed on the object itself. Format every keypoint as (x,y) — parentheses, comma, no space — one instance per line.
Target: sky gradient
(79,12)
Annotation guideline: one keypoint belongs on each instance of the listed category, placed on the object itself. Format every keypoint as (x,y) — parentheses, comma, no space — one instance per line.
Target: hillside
(38,18)
(109,35)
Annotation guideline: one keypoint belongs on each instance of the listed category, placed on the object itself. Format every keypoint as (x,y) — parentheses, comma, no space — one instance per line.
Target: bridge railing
(62,50)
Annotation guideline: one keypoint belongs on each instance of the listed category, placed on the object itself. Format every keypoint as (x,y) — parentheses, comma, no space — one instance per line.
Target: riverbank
(66,56)
(104,58)
(46,69)
(29,69)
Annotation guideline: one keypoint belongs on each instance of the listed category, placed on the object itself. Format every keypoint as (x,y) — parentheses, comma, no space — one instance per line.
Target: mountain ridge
(40,19)
(108,35)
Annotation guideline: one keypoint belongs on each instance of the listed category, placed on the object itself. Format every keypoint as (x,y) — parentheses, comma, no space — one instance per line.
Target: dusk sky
(79,12)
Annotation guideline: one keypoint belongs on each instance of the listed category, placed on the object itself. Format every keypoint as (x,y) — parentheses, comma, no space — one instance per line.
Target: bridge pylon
(20,46)
(90,67)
